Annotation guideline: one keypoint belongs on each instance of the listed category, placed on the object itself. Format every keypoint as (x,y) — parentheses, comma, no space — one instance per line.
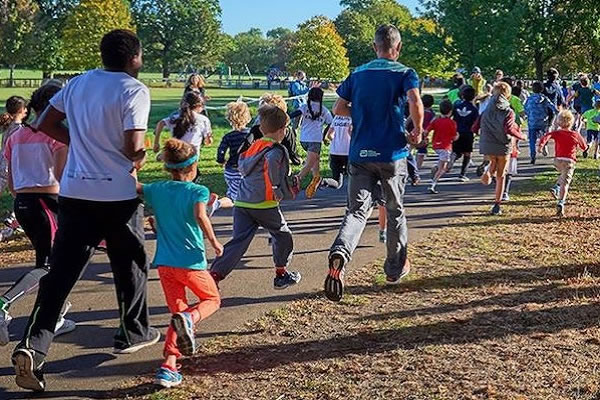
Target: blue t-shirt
(465,114)
(180,242)
(377,91)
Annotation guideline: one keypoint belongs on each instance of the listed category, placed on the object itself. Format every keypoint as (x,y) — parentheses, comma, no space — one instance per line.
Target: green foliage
(319,50)
(17,19)
(283,41)
(358,30)
(177,33)
(85,26)
(253,49)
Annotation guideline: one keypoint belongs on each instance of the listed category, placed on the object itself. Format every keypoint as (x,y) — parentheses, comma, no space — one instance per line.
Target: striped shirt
(231,143)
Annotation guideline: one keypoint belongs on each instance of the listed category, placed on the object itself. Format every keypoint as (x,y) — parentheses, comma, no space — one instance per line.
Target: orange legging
(174,281)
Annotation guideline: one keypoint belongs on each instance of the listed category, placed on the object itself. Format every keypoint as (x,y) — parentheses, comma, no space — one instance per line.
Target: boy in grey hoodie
(497,127)
(265,169)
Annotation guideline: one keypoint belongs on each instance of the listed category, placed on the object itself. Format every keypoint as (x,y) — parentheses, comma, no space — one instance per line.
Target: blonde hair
(177,151)
(502,88)
(238,115)
(272,119)
(273,100)
(565,119)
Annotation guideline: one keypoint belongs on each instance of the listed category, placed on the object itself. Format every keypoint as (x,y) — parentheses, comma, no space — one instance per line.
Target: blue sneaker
(286,280)
(184,327)
(167,378)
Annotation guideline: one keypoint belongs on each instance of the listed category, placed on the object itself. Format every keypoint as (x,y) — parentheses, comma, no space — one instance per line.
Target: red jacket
(566,143)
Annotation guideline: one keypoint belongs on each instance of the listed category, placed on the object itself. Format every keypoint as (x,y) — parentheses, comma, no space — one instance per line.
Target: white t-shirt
(342,127)
(312,129)
(100,106)
(196,134)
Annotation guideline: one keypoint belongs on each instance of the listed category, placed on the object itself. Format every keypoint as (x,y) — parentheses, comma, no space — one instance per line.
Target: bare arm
(60,159)
(51,123)
(11,185)
(417,114)
(157,132)
(342,107)
(204,223)
(134,147)
(330,133)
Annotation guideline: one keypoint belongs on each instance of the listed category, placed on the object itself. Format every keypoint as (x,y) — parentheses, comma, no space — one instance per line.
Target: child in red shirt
(566,144)
(444,133)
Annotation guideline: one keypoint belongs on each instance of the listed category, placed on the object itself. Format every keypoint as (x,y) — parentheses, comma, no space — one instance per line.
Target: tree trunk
(46,74)
(11,81)
(539,66)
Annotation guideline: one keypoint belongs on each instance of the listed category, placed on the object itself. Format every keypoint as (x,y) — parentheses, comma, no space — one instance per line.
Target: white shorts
(512,166)
(444,155)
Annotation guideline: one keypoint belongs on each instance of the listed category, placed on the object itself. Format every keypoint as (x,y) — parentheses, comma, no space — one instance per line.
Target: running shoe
(560,210)
(434,170)
(183,324)
(5,319)
(555,192)
(64,325)
(394,280)
(463,178)
(334,283)
(382,236)
(213,204)
(505,196)
(167,378)
(313,186)
(482,167)
(286,280)
(28,370)
(432,190)
(125,348)
(585,154)
(496,210)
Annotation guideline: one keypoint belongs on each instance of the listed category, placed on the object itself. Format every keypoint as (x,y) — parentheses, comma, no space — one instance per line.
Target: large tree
(178,33)
(357,29)
(17,19)
(283,41)
(319,50)
(85,26)
(47,40)
(251,49)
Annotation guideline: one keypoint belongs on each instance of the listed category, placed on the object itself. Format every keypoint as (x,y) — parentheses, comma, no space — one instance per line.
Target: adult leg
(393,181)
(124,233)
(244,229)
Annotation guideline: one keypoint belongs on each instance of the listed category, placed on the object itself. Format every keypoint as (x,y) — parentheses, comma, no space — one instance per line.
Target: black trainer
(496,210)
(126,348)
(334,283)
(286,280)
(28,369)
(560,210)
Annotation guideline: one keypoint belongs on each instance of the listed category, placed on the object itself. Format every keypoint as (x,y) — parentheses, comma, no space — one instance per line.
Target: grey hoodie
(496,126)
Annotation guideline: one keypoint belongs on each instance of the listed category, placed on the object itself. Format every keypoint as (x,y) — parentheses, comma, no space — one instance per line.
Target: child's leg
(382,217)
(174,291)
(567,169)
(205,288)
(337,164)
(283,245)
(420,159)
(501,164)
(465,163)
(442,168)
(244,229)
(533,132)
(233,180)
(309,165)
(316,167)
(486,178)
(413,170)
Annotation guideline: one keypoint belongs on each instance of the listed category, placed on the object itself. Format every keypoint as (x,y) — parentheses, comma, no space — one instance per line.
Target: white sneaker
(5,319)
(64,326)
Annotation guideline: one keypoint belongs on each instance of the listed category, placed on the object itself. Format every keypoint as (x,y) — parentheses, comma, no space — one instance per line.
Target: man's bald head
(388,41)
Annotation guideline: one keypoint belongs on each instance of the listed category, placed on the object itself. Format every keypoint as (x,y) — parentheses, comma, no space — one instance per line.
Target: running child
(429,115)
(458,81)
(540,112)
(238,116)
(593,127)
(10,121)
(496,128)
(35,166)
(465,114)
(180,253)
(444,133)
(265,168)
(339,134)
(512,170)
(566,143)
(314,116)
(188,124)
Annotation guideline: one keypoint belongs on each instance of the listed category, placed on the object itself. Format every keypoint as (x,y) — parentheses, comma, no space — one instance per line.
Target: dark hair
(564,84)
(585,81)
(14,105)
(458,80)
(315,94)
(508,80)
(427,100)
(41,97)
(552,74)
(537,87)
(118,47)
(387,37)
(446,107)
(186,118)
(516,91)
(468,93)
(520,83)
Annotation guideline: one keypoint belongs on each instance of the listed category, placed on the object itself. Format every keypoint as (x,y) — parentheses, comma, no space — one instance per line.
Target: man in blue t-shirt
(374,95)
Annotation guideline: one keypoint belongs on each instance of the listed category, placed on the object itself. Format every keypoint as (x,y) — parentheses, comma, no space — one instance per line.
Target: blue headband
(183,164)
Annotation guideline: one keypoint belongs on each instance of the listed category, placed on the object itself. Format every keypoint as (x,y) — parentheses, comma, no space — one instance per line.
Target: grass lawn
(496,308)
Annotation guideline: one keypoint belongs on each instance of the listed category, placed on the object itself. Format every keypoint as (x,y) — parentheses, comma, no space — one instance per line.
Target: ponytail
(186,118)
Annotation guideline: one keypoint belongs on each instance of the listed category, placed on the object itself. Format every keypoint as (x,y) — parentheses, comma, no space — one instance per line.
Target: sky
(241,15)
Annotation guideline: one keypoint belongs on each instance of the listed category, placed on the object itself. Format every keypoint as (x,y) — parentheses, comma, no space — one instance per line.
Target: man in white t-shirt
(107,113)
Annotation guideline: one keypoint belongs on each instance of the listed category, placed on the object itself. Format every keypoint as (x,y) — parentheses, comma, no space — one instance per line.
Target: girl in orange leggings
(182,221)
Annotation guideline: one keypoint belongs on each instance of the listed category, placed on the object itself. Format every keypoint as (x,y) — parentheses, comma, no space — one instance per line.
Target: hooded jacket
(538,109)
(496,126)
(265,167)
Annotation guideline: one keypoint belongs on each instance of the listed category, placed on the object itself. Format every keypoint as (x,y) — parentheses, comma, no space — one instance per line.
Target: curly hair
(118,47)
(273,100)
(176,151)
(238,115)
(565,119)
